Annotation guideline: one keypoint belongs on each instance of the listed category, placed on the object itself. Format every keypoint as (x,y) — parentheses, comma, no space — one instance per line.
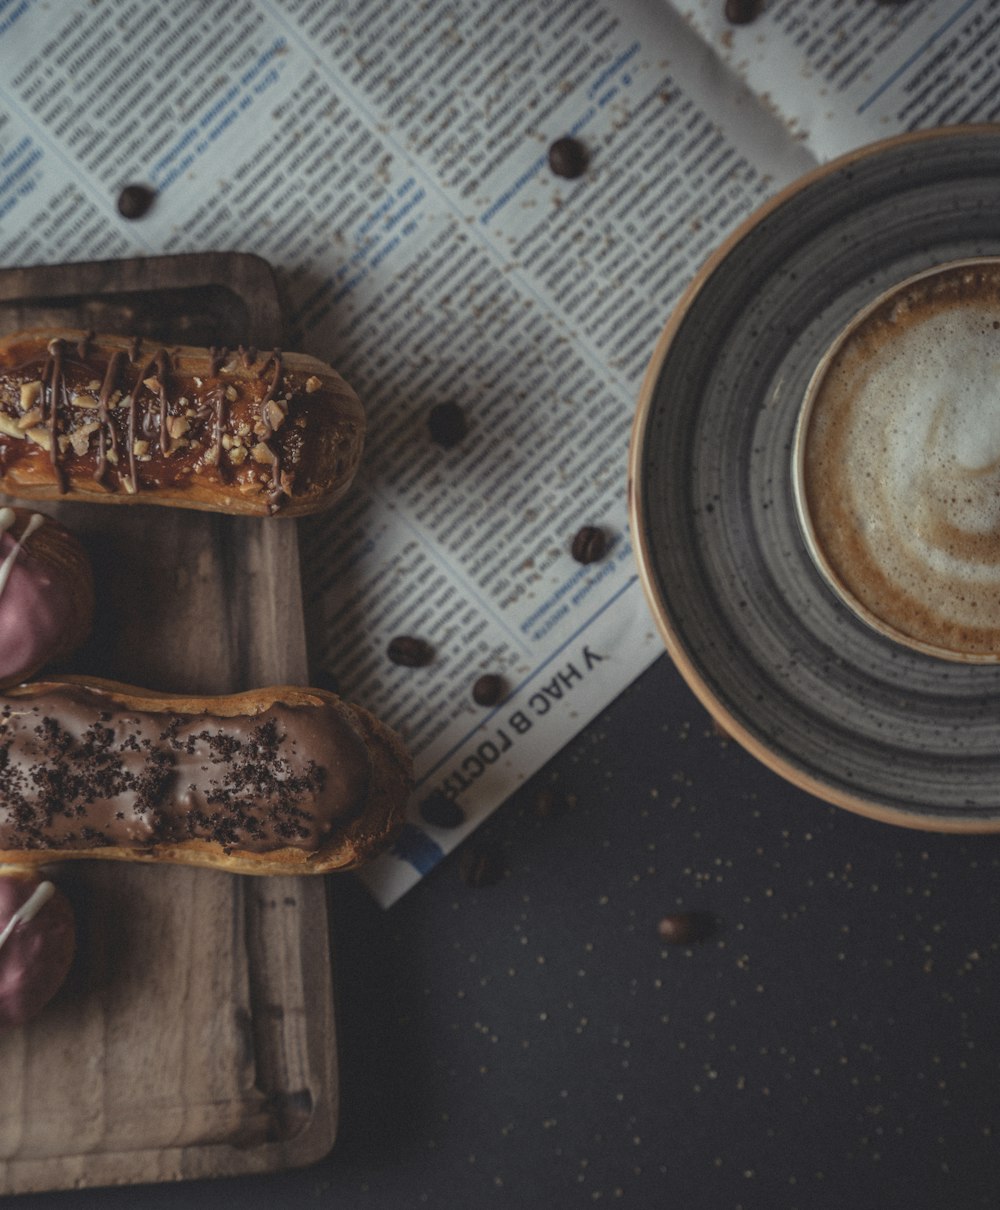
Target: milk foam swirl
(899,462)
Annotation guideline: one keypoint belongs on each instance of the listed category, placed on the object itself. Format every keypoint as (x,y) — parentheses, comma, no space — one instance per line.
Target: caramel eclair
(108,418)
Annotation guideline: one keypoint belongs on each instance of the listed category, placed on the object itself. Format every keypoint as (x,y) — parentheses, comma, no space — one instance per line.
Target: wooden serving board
(195,1034)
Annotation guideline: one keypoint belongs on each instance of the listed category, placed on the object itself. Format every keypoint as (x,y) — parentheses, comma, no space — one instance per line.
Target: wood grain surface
(195,1035)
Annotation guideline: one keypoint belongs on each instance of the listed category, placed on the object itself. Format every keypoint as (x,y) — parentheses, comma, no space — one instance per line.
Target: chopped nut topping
(30,419)
(231,394)
(40,436)
(238,455)
(94,384)
(30,391)
(313,384)
(80,438)
(275,414)
(84,401)
(177,426)
(153,384)
(112,457)
(9,426)
(140,447)
(227,441)
(263,453)
(128,484)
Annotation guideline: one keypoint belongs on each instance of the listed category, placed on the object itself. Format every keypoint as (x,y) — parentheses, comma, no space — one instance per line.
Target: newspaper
(390,160)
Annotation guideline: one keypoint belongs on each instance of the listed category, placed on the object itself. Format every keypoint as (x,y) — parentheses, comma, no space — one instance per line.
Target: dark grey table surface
(830,1041)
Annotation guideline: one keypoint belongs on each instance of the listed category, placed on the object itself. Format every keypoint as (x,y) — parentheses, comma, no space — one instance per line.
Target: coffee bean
(447,425)
(589,544)
(742,12)
(441,811)
(481,865)
(568,158)
(410,652)
(488,689)
(135,200)
(678,929)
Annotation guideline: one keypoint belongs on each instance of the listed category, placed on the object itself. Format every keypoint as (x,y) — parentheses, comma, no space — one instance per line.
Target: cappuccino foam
(900,461)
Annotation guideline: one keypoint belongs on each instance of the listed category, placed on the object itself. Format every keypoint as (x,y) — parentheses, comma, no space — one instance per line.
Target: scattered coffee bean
(742,12)
(410,652)
(441,811)
(568,158)
(678,929)
(481,865)
(447,425)
(589,544)
(688,928)
(488,689)
(135,200)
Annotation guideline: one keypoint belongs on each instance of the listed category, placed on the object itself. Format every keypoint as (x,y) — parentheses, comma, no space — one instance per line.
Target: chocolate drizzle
(275,360)
(277,494)
(216,360)
(220,428)
(132,483)
(162,367)
(54,392)
(107,438)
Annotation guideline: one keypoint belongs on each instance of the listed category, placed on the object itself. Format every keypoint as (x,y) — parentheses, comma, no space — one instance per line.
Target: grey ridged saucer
(784,666)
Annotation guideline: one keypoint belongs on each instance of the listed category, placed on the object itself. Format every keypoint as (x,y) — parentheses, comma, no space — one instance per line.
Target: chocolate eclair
(278,780)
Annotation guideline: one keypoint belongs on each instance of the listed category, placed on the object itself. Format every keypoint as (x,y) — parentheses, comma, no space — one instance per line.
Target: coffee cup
(896,463)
